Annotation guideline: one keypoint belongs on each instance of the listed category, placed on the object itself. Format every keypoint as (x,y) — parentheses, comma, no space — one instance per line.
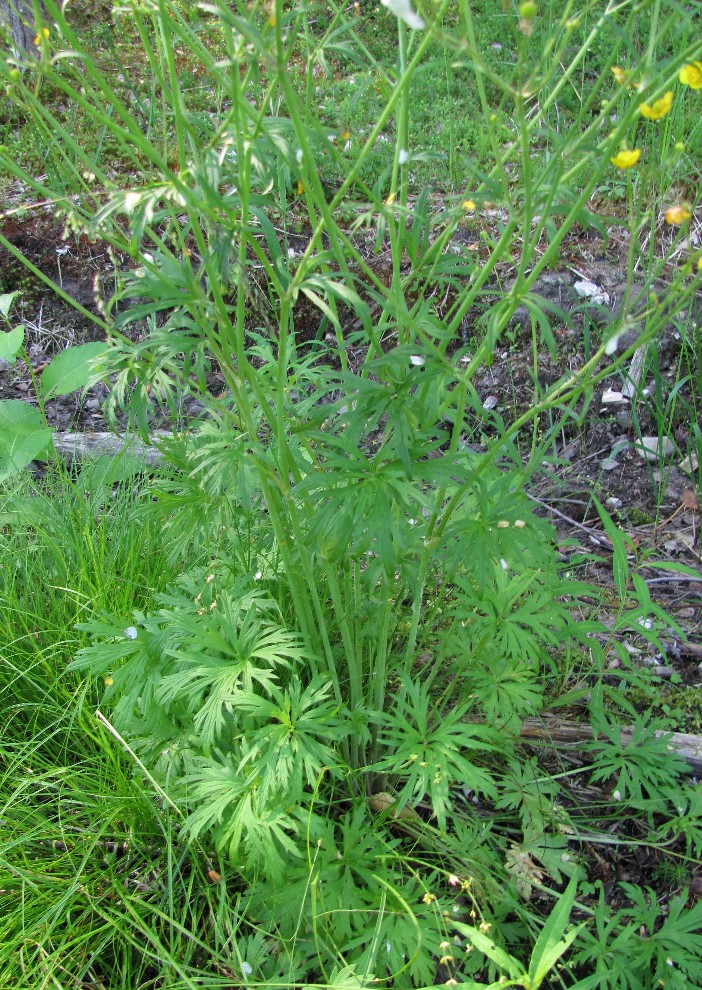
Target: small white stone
(588,290)
(612,397)
(653,448)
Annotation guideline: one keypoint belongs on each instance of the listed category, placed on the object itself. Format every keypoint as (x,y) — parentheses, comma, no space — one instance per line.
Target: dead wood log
(688,747)
(76,446)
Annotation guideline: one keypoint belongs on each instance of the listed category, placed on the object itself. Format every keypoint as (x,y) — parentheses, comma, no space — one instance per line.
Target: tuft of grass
(97,887)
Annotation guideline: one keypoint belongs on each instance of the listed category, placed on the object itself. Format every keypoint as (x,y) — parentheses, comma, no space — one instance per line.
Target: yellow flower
(42,35)
(300,187)
(391,199)
(699,263)
(619,74)
(675,215)
(658,109)
(691,75)
(346,135)
(468,205)
(626,159)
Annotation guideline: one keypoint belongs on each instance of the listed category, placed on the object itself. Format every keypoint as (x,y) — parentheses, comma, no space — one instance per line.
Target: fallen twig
(76,446)
(688,747)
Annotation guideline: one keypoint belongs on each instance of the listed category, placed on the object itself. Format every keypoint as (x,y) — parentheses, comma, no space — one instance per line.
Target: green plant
(24,432)
(640,946)
(360,608)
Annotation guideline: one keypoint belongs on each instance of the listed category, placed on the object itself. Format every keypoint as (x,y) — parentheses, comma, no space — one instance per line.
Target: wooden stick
(76,446)
(685,745)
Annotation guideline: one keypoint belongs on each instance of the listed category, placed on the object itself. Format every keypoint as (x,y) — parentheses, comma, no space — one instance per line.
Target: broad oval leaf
(70,370)
(6,300)
(23,437)
(10,343)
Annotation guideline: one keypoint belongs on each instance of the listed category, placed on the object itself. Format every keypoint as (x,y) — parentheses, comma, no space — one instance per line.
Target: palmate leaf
(252,832)
(482,530)
(686,821)
(131,658)
(349,855)
(190,659)
(361,504)
(642,763)
(514,620)
(634,947)
(428,751)
(220,654)
(502,688)
(217,790)
(348,860)
(290,744)
(210,692)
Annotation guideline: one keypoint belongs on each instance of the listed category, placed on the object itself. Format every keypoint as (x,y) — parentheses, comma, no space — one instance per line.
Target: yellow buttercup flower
(42,35)
(619,74)
(300,187)
(699,263)
(675,215)
(658,109)
(691,75)
(626,159)
(468,205)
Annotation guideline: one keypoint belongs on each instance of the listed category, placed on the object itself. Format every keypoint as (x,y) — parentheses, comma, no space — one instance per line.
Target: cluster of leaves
(364,604)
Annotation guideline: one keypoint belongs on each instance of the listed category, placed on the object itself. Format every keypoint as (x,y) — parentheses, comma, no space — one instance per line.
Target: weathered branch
(686,746)
(76,446)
